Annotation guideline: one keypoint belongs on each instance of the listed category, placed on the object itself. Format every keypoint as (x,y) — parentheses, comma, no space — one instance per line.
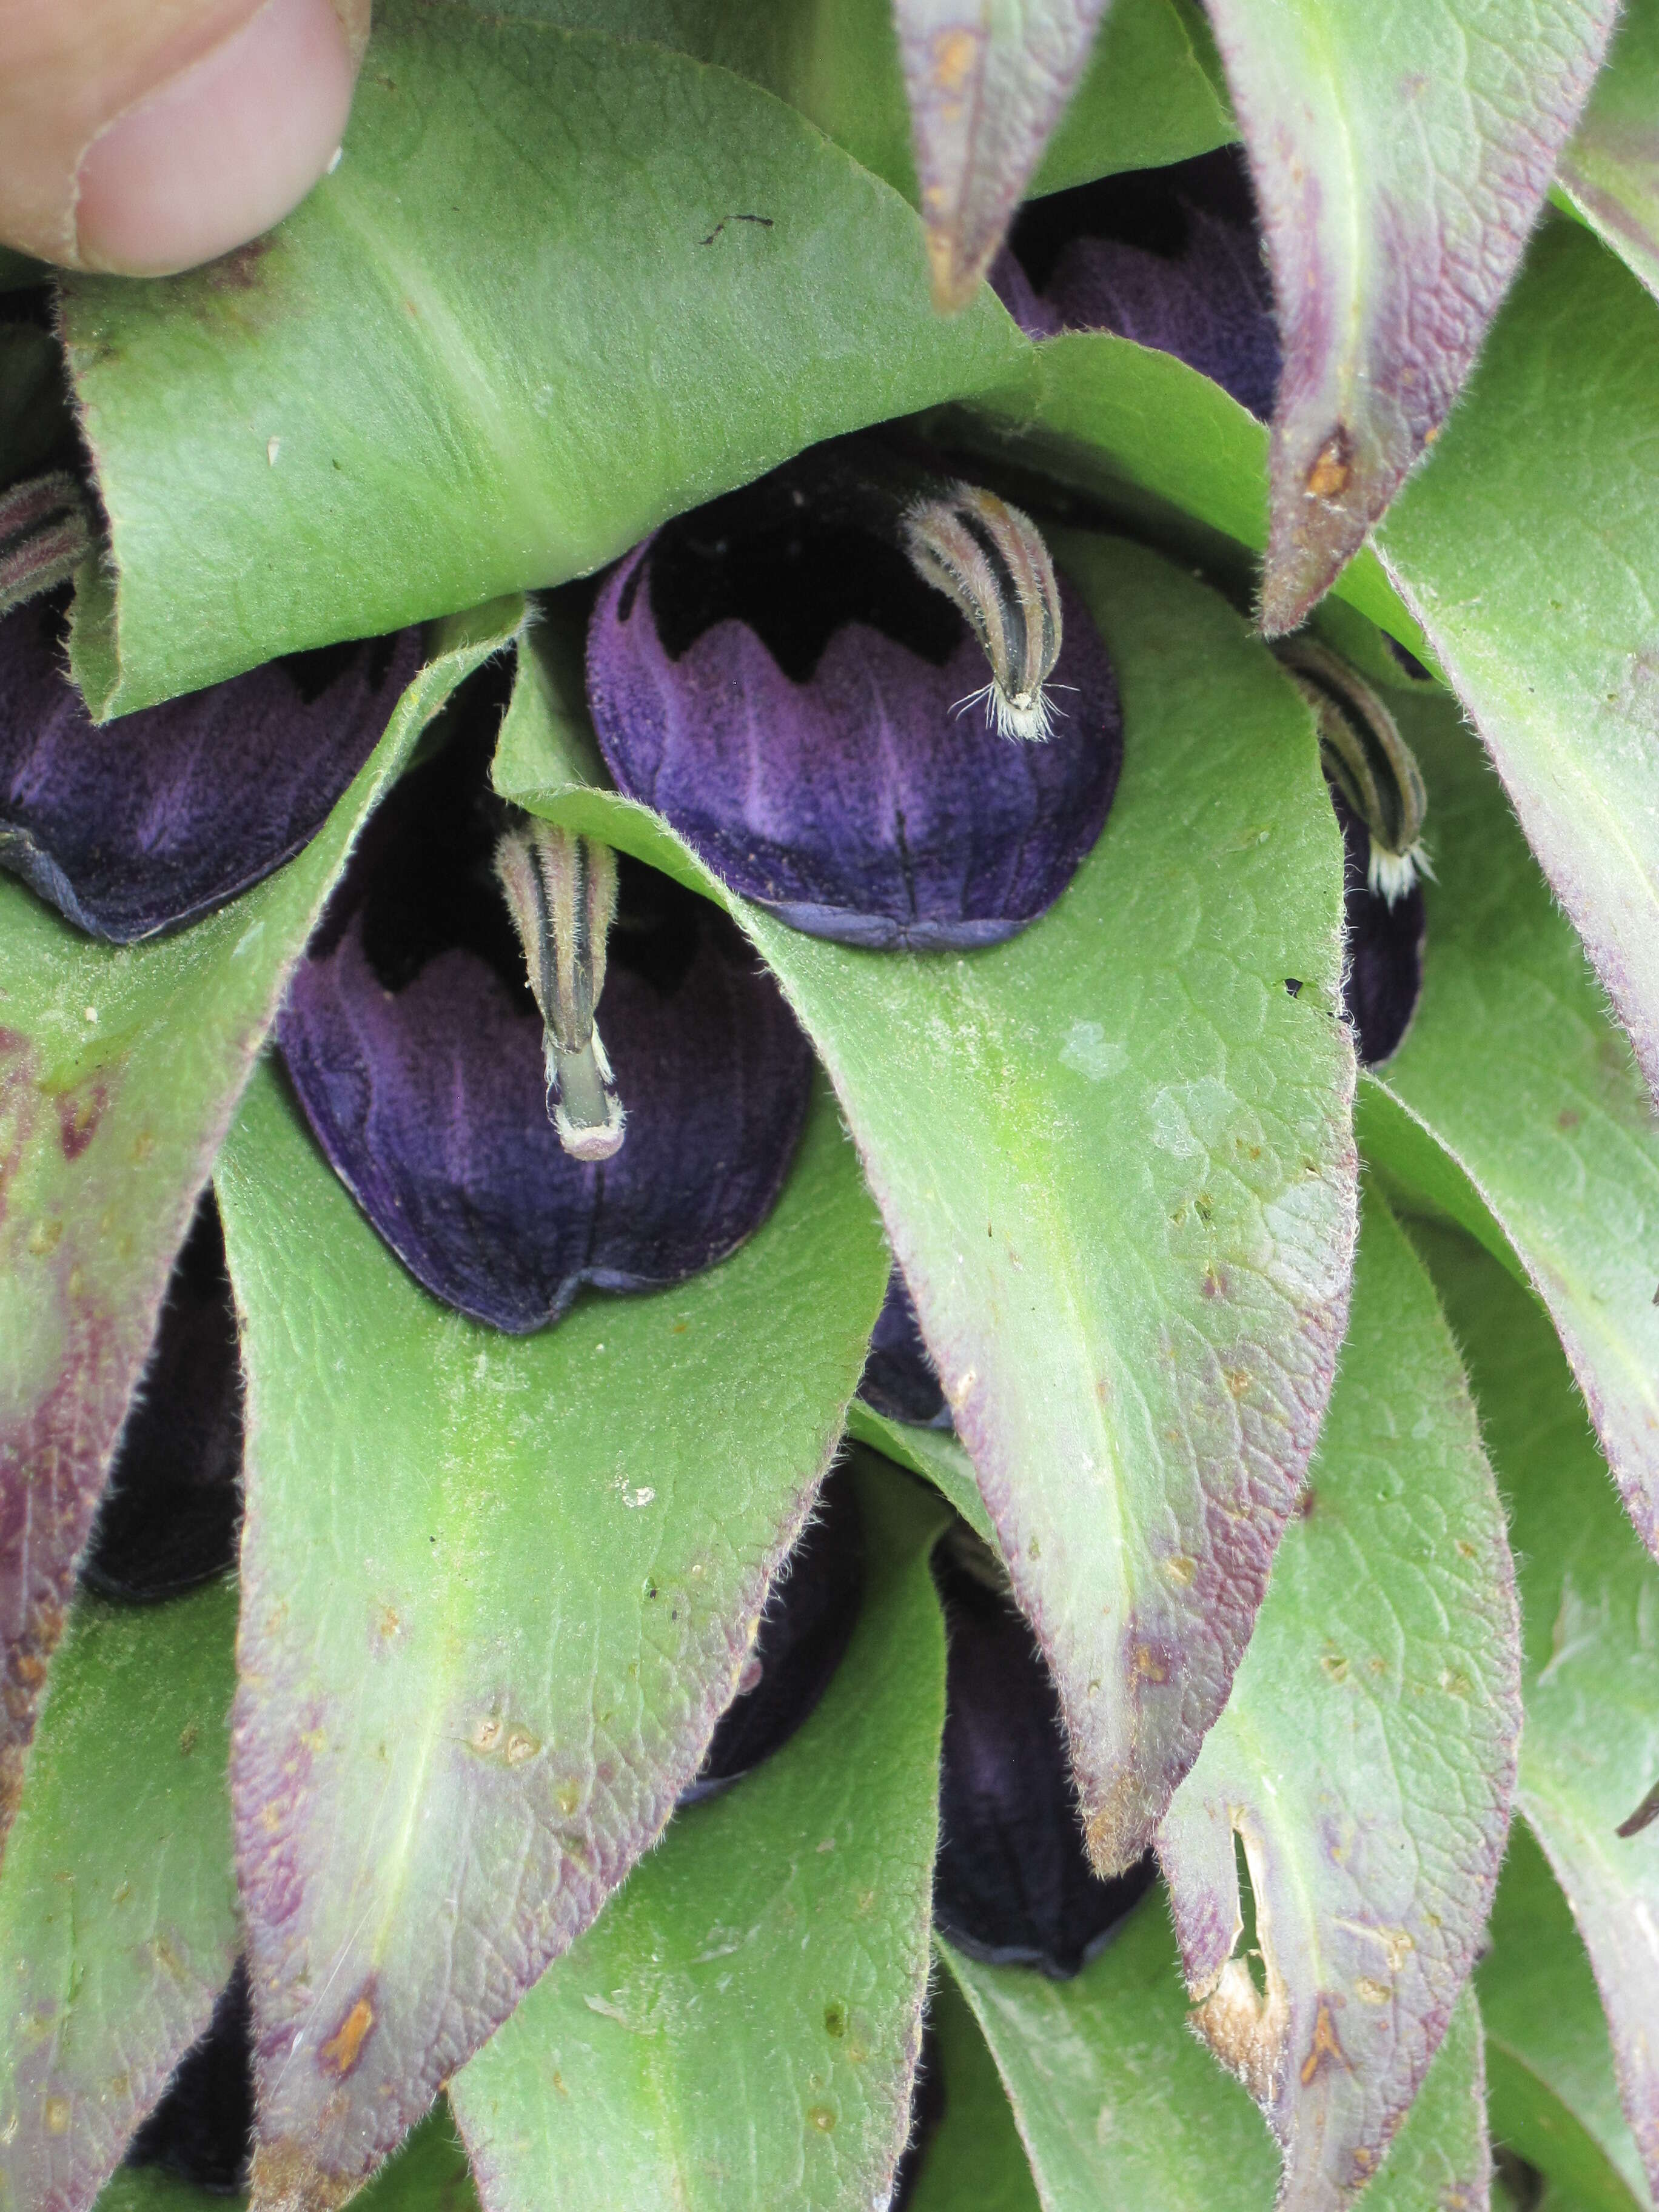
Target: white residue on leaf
(1091,1052)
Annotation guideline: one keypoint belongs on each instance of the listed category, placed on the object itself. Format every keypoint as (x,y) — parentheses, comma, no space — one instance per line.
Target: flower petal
(141,824)
(417,1051)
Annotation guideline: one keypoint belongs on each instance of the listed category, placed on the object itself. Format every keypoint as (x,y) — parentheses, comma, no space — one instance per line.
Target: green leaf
(496,1592)
(1589,1758)
(1113,1160)
(976,2157)
(1552,2095)
(117,1905)
(1117,2102)
(429,2173)
(1611,170)
(933,1454)
(1366,1758)
(1119,2107)
(1152,94)
(119,1073)
(741,2028)
(1168,451)
(1514,1073)
(1529,551)
(560,286)
(1401,157)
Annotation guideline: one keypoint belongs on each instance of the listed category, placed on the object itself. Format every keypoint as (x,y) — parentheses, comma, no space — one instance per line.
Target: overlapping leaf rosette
(819,1250)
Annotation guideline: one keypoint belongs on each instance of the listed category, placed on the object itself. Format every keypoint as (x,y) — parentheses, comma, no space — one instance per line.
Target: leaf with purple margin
(1590,1597)
(1163,446)
(1401,157)
(740,2030)
(1113,1159)
(1610,171)
(395,409)
(987,87)
(1552,2093)
(1555,648)
(1119,2106)
(119,1073)
(1515,1105)
(497,1591)
(1152,92)
(1366,1758)
(117,1900)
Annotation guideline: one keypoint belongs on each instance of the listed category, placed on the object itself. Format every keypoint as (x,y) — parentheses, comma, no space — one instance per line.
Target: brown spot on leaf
(345,2046)
(286,2178)
(238,272)
(79,1114)
(1325,2048)
(1333,465)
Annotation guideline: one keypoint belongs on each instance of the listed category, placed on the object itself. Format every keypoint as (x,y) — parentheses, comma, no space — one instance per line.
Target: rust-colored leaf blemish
(345,2046)
(1325,2047)
(79,1113)
(1333,466)
(286,2178)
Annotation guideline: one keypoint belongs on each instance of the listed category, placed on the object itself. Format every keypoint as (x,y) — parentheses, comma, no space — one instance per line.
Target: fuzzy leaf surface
(1555,648)
(741,2028)
(1401,157)
(395,407)
(1152,92)
(1552,2091)
(1610,172)
(1366,1758)
(1114,1163)
(987,87)
(429,2173)
(933,1454)
(977,2157)
(1590,1597)
(118,1900)
(1118,2105)
(1513,1070)
(119,1073)
(1163,446)
(496,1592)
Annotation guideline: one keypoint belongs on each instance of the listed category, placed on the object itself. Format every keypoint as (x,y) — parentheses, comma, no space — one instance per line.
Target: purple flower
(1171,260)
(898,1379)
(804,1635)
(1383,947)
(153,820)
(773,677)
(172,1510)
(416,1050)
(1012,1882)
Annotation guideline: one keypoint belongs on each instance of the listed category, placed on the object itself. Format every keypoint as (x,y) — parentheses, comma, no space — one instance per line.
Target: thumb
(141,136)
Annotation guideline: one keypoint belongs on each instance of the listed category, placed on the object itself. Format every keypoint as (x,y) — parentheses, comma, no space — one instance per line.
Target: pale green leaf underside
(496,1592)
(739,2031)
(1367,1757)
(1113,1159)
(118,1898)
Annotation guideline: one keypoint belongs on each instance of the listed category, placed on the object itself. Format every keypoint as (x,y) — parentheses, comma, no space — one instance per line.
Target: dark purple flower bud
(1383,947)
(1169,259)
(153,820)
(203,2129)
(1013,1883)
(772,674)
(417,1049)
(898,1379)
(171,1515)
(804,1634)
(1378,790)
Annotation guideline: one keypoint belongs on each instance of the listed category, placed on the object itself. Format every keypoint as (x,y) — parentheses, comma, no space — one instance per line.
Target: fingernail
(223,151)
